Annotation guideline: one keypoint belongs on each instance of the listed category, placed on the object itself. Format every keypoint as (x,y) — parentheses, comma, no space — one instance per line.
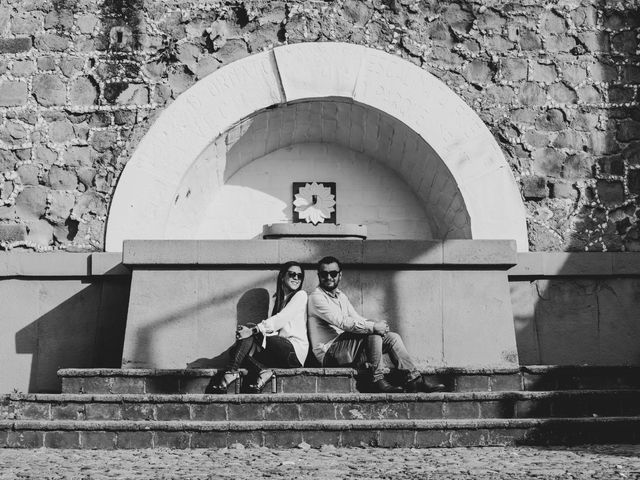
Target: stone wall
(556,82)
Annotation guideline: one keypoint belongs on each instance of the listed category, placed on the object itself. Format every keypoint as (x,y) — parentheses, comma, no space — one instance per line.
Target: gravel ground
(595,461)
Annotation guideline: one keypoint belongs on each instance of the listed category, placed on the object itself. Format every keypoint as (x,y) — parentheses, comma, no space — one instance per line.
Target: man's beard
(330,288)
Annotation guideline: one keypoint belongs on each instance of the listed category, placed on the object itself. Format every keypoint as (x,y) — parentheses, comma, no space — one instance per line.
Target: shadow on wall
(253,307)
(577,320)
(84,331)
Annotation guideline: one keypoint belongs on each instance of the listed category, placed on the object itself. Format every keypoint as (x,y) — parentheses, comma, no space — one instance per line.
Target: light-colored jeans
(353,349)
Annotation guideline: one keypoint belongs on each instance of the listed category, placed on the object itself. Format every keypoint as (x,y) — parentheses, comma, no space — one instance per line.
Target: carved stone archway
(410,122)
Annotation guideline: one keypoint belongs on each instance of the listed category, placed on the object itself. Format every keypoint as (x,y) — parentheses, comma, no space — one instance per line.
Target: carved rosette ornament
(314,202)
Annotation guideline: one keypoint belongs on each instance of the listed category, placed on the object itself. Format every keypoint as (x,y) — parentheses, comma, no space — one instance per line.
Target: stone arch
(405,118)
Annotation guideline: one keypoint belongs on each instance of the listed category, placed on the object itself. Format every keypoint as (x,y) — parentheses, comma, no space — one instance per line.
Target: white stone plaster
(368,193)
(179,164)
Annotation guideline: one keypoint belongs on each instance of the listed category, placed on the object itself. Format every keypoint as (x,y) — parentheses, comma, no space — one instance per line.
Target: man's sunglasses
(331,273)
(294,275)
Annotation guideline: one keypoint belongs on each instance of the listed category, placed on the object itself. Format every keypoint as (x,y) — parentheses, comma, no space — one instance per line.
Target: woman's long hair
(281,299)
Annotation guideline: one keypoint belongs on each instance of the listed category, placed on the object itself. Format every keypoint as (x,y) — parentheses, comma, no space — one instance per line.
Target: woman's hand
(243,332)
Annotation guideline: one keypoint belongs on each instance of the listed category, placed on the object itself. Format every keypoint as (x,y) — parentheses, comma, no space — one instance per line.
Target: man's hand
(243,332)
(380,327)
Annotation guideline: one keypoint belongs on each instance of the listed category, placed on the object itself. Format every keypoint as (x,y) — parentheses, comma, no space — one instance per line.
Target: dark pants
(248,353)
(353,349)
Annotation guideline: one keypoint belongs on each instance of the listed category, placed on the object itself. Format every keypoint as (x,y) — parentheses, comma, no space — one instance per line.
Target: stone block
(245,412)
(34,411)
(12,93)
(97,385)
(61,131)
(25,439)
(132,440)
(281,412)
(77,156)
(562,93)
(161,384)
(532,94)
(62,439)
(505,383)
(103,411)
(209,411)
(282,438)
(60,178)
(26,22)
(87,22)
(103,140)
(47,63)
(15,45)
(610,193)
(209,439)
(71,66)
(548,161)
(317,411)
(397,438)
(194,385)
(72,385)
(172,411)
(330,384)
(180,440)
(50,42)
(10,233)
(49,90)
(497,409)
(541,72)
(137,411)
(425,410)
(249,438)
(70,411)
(478,71)
(317,438)
(535,187)
(564,191)
(514,69)
(23,68)
(310,251)
(84,91)
(534,408)
(98,440)
(128,385)
(60,205)
(432,438)
(463,409)
(359,438)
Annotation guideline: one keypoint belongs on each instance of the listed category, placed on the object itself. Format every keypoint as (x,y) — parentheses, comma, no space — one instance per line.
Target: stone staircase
(113,408)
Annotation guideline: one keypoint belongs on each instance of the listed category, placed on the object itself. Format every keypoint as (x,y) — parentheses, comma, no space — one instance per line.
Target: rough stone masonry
(555,81)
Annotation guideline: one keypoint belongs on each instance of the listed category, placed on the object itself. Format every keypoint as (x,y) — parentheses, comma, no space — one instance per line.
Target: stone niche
(449,299)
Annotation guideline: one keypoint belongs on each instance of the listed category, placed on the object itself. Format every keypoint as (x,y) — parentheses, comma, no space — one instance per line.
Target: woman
(279,341)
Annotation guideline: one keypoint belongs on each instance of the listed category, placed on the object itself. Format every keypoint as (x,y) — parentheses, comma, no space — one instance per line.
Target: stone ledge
(61,264)
(412,253)
(331,425)
(578,264)
(308,230)
(308,397)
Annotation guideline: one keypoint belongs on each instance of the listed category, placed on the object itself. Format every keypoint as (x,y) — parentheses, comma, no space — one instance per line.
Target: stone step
(331,406)
(383,433)
(346,380)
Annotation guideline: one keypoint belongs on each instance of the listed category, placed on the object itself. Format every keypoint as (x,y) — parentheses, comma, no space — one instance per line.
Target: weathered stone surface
(552,120)
(70,66)
(562,93)
(49,90)
(548,161)
(103,140)
(46,63)
(514,69)
(76,156)
(26,23)
(60,178)
(40,232)
(61,131)
(532,94)
(23,68)
(541,72)
(564,191)
(50,42)
(633,181)
(535,187)
(478,71)
(44,154)
(15,45)
(28,174)
(12,93)
(12,233)
(60,205)
(89,202)
(87,22)
(31,202)
(83,91)
(610,193)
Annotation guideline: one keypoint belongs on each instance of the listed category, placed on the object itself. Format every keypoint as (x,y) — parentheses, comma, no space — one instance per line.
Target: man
(341,337)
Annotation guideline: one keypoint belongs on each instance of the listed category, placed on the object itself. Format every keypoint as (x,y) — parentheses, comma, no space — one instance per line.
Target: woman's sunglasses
(331,273)
(294,275)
